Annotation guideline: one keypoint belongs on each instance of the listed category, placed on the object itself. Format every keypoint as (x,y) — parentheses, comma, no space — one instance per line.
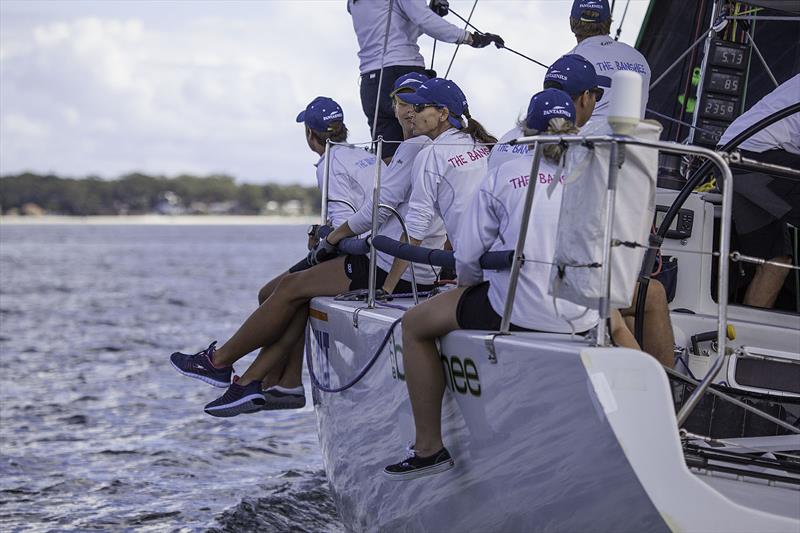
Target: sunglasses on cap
(419,108)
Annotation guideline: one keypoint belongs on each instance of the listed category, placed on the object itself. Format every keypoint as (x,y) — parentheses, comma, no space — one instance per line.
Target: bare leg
(293,371)
(658,340)
(422,325)
(766,284)
(267,290)
(274,358)
(621,333)
(269,322)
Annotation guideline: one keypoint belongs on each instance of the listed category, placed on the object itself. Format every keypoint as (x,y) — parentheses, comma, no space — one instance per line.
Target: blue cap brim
(603,81)
(413,98)
(302,116)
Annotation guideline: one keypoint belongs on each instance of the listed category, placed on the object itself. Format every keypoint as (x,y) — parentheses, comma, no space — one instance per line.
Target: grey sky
(163,87)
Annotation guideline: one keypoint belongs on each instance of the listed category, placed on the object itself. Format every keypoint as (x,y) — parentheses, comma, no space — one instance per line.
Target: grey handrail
(724,241)
(326,170)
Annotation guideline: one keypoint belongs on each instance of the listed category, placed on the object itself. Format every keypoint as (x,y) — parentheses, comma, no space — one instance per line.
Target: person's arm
(422,202)
(395,185)
(399,266)
(479,229)
(431,23)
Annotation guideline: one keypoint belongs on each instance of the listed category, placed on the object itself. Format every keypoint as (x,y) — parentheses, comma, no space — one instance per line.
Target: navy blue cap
(443,93)
(321,113)
(408,82)
(591,10)
(574,74)
(550,103)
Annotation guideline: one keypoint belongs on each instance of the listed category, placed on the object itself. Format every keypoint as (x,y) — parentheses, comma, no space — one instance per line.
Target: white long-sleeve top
(783,135)
(410,19)
(395,191)
(350,178)
(492,223)
(447,173)
(502,152)
(609,56)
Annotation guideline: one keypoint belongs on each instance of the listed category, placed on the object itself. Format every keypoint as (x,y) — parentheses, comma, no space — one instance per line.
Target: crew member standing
(590,21)
(407,20)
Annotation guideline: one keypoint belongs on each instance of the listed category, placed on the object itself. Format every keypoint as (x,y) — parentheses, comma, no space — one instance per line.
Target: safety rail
(618,143)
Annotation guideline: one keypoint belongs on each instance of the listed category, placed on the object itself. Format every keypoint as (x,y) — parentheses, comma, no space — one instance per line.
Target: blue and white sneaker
(199,366)
(238,400)
(278,397)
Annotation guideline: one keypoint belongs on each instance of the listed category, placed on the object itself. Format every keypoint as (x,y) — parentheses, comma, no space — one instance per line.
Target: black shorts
(356,267)
(767,242)
(387,123)
(475,311)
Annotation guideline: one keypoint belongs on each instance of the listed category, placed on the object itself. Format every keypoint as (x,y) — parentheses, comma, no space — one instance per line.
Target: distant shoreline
(160,220)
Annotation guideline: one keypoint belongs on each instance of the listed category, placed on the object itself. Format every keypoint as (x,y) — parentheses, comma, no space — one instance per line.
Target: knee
(264,293)
(656,296)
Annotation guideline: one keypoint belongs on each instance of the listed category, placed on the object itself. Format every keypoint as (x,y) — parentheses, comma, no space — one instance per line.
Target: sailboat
(559,432)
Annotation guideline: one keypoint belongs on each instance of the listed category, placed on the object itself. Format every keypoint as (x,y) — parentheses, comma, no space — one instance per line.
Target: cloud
(109,88)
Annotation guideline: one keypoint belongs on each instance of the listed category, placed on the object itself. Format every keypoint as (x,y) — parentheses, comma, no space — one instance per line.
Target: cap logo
(557,110)
(335,114)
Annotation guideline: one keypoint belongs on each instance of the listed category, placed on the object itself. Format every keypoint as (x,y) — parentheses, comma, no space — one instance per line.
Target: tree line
(143,194)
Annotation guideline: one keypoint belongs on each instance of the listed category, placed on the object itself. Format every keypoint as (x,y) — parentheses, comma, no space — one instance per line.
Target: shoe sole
(248,404)
(273,404)
(421,472)
(211,381)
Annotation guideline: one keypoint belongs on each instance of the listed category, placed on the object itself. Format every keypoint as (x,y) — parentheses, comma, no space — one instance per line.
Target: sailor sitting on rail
(448,171)
(492,222)
(572,74)
(278,324)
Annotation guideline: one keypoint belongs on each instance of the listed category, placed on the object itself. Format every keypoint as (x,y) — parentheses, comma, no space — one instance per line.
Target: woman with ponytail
(491,222)
(448,171)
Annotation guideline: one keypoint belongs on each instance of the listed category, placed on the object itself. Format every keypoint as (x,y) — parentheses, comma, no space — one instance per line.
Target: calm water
(97,431)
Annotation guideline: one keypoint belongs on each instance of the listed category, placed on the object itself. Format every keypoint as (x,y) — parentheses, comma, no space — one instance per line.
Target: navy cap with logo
(321,113)
(408,82)
(591,10)
(550,103)
(575,74)
(441,93)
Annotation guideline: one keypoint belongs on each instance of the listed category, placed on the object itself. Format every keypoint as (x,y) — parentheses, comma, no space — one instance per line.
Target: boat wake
(298,500)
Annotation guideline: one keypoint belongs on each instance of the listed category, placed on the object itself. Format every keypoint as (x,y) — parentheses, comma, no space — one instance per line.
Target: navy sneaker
(414,466)
(278,397)
(238,400)
(199,366)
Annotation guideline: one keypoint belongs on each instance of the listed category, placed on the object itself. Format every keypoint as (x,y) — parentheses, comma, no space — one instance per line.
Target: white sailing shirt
(447,173)
(396,182)
(502,152)
(783,135)
(351,175)
(492,223)
(609,56)
(410,19)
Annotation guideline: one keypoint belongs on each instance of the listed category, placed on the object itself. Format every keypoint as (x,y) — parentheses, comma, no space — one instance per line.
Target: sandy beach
(177,220)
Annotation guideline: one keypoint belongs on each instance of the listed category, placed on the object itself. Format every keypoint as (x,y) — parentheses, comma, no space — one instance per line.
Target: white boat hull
(554,436)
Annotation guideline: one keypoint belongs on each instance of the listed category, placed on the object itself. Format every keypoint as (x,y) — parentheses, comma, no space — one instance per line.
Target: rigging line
(503,47)
(677,61)
(681,122)
(433,54)
(380,78)
(735,256)
(474,5)
(761,57)
(622,20)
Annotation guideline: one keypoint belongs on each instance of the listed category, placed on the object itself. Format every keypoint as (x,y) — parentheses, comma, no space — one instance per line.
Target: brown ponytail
(476,130)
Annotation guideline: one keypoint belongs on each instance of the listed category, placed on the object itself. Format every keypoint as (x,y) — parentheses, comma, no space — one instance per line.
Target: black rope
(503,47)
(363,371)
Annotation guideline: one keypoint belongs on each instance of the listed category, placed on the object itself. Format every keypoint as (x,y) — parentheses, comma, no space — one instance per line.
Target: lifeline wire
(459,44)
(503,47)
